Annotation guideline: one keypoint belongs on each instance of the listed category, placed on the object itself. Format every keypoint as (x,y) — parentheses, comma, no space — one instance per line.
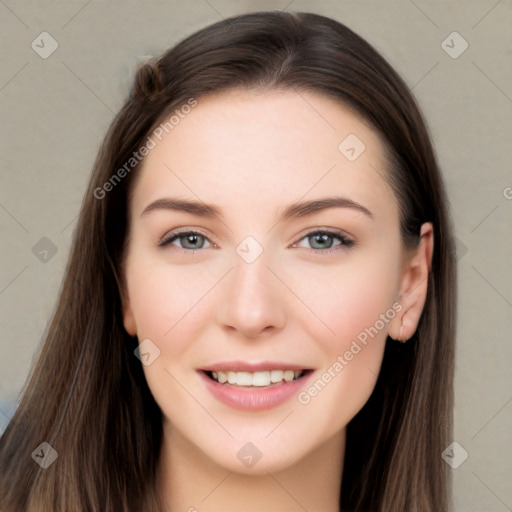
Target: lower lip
(254,398)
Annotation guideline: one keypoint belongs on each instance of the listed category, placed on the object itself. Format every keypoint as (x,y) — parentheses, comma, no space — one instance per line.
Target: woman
(206,353)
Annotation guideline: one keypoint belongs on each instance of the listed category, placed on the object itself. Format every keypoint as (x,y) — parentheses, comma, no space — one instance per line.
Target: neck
(189,480)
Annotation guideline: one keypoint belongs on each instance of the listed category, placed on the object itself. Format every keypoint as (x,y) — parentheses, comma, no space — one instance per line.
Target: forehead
(242,148)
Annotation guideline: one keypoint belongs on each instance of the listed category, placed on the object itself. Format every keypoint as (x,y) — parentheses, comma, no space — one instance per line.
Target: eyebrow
(295,210)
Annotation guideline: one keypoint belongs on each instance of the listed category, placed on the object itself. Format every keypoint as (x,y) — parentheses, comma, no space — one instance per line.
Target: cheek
(345,301)
(169,309)
(168,303)
(352,312)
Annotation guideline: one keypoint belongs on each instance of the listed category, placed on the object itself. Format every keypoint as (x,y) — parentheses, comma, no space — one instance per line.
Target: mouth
(252,387)
(259,379)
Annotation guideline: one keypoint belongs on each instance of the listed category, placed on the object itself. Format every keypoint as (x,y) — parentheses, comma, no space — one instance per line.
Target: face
(257,292)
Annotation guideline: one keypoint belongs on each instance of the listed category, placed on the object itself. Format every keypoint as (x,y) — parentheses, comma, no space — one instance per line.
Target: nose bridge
(254,299)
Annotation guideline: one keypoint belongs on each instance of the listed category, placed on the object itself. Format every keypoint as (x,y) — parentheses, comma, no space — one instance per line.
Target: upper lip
(246,366)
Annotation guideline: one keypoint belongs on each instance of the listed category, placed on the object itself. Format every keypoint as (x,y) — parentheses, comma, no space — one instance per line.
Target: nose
(254,300)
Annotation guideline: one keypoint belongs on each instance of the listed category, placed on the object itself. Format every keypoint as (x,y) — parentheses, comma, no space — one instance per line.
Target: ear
(128,317)
(413,286)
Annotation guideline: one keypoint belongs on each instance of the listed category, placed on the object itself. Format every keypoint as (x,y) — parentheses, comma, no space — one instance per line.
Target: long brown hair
(87,396)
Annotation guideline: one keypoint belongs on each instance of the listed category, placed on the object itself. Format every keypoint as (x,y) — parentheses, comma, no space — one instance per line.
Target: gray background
(56,110)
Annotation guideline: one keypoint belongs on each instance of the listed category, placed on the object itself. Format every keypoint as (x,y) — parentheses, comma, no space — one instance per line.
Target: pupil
(322,237)
(192,238)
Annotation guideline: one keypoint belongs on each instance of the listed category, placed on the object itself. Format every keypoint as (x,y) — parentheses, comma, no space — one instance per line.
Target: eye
(189,240)
(323,240)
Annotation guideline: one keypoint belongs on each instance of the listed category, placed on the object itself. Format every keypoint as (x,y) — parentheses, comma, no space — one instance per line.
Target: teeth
(258,379)
(276,375)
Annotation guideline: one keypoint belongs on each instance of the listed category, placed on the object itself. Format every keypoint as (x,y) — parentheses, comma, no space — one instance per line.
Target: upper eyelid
(180,232)
(330,231)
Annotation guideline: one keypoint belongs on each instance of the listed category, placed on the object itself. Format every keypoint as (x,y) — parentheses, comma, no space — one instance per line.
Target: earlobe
(128,318)
(129,322)
(414,287)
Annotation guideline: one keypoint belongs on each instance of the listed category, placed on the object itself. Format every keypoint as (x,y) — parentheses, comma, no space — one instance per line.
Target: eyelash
(345,242)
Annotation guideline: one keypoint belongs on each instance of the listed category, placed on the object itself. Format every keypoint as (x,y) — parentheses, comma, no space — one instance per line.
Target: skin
(252,154)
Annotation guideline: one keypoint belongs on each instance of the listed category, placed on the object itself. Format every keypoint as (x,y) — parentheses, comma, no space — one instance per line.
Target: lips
(254,386)
(245,366)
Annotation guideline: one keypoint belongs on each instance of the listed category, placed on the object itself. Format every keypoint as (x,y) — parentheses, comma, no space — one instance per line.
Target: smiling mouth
(259,379)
